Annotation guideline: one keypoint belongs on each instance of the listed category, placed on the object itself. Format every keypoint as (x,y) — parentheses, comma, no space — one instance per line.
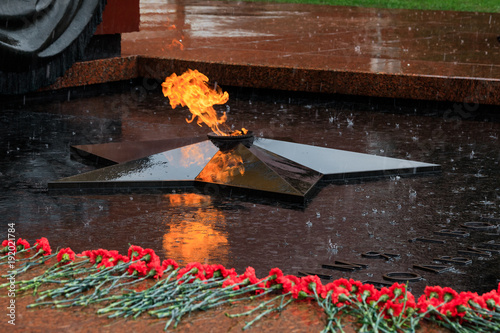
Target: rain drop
(350,122)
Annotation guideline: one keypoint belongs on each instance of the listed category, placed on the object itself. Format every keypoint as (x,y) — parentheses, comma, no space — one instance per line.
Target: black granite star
(280,169)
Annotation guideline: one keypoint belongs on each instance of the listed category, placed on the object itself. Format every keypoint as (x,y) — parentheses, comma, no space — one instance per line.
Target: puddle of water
(340,223)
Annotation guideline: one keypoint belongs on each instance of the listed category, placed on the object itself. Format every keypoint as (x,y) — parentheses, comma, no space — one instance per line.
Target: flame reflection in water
(222,168)
(195,234)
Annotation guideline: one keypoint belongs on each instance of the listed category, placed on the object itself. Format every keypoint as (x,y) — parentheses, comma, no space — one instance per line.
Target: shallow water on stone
(340,223)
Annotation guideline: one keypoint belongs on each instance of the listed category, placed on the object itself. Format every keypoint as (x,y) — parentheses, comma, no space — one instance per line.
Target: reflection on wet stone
(355,215)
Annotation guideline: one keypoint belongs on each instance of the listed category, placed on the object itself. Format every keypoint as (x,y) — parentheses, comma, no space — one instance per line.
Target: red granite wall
(119,16)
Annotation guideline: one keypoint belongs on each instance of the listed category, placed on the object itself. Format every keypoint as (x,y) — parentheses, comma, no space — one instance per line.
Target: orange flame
(242,131)
(191,89)
(222,168)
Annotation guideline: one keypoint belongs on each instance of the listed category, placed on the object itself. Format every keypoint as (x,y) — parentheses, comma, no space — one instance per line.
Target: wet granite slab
(429,55)
(97,71)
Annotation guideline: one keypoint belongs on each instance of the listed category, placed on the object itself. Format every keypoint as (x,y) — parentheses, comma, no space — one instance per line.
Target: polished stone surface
(343,221)
(283,170)
(343,164)
(120,152)
(368,40)
(429,55)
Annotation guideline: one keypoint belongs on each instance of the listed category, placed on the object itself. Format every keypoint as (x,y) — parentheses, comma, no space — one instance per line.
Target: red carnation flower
(99,255)
(356,286)
(105,258)
(393,309)
(135,252)
(22,244)
(227,272)
(492,300)
(138,269)
(286,283)
(250,275)
(43,246)
(328,288)
(149,255)
(293,278)
(397,290)
(208,271)
(8,246)
(382,296)
(312,281)
(106,262)
(445,294)
(343,283)
(114,257)
(169,264)
(232,281)
(274,274)
(86,253)
(218,271)
(339,288)
(117,258)
(471,298)
(65,256)
(298,292)
(96,256)
(340,296)
(424,302)
(155,269)
(307,286)
(455,308)
(194,269)
(369,292)
(276,271)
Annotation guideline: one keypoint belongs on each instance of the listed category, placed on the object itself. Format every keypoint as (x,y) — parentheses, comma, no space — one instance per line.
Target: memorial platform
(421,55)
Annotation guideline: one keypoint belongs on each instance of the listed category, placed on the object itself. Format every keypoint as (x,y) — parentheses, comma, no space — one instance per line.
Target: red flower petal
(43,246)
(66,256)
(22,244)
